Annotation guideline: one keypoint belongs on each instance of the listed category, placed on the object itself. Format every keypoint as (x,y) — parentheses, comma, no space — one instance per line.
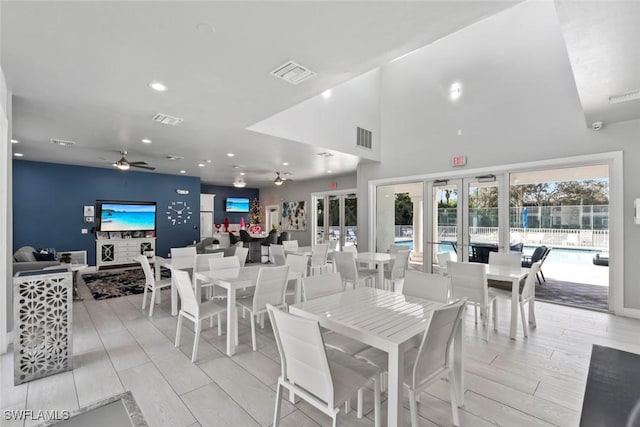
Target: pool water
(557,255)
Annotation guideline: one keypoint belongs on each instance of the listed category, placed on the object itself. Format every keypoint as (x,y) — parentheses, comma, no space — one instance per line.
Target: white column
(418,221)
(385,218)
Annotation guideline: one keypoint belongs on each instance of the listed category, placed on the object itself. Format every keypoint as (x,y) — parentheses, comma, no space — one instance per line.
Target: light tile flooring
(534,381)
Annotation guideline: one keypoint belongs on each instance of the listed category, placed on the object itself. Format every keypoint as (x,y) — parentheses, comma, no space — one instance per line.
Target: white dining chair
(202,264)
(325,379)
(193,310)
(270,288)
(151,283)
(278,256)
(241,253)
(299,265)
(394,249)
(184,259)
(397,270)
(469,280)
(429,286)
(321,285)
(443,258)
(430,361)
(510,260)
(290,246)
(226,267)
(345,264)
(319,263)
(526,296)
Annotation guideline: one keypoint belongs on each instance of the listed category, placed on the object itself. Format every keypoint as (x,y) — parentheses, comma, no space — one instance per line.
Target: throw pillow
(44,256)
(24,255)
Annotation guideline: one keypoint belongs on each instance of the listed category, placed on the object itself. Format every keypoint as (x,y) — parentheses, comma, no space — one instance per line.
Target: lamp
(278,180)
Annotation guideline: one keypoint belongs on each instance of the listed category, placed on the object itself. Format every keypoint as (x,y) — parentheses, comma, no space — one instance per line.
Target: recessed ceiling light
(158,86)
(242,173)
(18,154)
(146,141)
(285,164)
(183,171)
(15,141)
(230,154)
(456,91)
(200,165)
(209,161)
(326,94)
(329,171)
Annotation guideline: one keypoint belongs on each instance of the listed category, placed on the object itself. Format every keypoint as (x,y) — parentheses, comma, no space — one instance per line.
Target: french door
(466,217)
(336,218)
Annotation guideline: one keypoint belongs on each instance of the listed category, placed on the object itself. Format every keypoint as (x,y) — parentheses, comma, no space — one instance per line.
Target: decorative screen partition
(43,305)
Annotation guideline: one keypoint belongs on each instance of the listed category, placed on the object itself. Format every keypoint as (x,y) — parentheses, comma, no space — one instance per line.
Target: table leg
(232,322)
(515,290)
(380,284)
(458,360)
(395,387)
(174,297)
(298,290)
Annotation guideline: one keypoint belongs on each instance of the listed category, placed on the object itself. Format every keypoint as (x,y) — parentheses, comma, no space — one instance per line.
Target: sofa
(25,260)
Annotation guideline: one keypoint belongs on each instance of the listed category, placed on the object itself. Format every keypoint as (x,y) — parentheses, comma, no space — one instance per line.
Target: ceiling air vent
(325,154)
(61,143)
(166,119)
(172,157)
(363,138)
(292,72)
(625,97)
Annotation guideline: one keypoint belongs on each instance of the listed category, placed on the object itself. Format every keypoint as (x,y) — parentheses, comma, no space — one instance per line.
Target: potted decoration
(256,215)
(65,258)
(226,224)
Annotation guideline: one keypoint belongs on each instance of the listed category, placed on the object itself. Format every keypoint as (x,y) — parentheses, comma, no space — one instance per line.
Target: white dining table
(387,321)
(377,259)
(232,281)
(505,274)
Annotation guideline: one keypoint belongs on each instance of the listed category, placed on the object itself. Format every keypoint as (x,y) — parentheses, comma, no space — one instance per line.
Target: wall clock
(179,213)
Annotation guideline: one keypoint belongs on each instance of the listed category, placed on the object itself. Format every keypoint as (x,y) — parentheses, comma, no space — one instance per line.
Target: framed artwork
(89,210)
(294,216)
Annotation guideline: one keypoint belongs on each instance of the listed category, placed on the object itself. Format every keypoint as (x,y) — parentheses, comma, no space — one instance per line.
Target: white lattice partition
(43,302)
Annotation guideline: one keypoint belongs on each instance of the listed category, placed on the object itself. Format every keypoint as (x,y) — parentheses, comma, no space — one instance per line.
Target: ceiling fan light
(122,166)
(239,184)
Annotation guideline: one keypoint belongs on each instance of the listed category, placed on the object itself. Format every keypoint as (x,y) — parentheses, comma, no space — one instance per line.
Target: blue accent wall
(48,201)
(222,193)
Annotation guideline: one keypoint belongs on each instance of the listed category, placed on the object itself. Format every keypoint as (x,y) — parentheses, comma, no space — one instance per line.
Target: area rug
(612,395)
(113,284)
(119,410)
(574,294)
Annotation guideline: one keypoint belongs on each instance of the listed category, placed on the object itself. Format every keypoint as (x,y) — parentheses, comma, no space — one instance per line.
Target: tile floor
(117,347)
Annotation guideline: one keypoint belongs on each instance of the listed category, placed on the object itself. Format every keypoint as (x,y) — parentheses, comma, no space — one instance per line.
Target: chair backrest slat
(183,258)
(399,265)
(530,282)
(394,249)
(468,279)
(433,287)
(351,248)
(433,353)
(321,285)
(271,286)
(319,255)
(303,358)
(241,253)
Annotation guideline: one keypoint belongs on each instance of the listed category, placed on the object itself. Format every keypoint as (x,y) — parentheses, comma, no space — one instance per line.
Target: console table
(111,252)
(43,317)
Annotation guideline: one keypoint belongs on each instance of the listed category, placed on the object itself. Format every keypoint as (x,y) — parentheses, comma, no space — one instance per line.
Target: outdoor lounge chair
(539,254)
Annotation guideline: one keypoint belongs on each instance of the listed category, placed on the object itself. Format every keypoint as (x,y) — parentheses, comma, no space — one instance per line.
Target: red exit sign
(333,185)
(458,160)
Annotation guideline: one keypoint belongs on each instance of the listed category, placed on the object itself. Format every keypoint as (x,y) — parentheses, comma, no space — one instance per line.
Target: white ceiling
(80,70)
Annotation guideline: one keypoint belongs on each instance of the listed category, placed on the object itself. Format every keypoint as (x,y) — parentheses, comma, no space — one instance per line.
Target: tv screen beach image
(236,204)
(120,217)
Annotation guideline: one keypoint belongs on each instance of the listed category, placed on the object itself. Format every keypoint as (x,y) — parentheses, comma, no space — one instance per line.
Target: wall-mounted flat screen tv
(125,216)
(237,204)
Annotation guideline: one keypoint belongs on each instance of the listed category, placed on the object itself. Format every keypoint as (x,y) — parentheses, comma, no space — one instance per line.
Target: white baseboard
(630,312)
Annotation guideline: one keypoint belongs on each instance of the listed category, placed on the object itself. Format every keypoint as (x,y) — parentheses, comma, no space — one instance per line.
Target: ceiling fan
(280,180)
(124,164)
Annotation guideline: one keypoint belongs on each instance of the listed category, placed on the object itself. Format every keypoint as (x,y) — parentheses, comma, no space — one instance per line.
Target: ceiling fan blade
(137,165)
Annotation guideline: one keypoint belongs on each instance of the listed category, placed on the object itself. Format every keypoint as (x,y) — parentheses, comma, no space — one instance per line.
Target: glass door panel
(334,219)
(350,221)
(481,216)
(445,236)
(320,233)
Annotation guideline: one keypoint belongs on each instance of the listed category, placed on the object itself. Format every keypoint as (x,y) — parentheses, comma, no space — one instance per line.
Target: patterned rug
(113,284)
(575,294)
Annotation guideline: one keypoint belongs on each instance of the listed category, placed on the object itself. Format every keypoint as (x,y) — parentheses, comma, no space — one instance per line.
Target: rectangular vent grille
(61,142)
(166,119)
(625,97)
(363,138)
(292,72)
(172,157)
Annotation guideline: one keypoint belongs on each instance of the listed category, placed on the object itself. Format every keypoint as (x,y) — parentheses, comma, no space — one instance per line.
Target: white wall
(331,122)
(519,104)
(295,191)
